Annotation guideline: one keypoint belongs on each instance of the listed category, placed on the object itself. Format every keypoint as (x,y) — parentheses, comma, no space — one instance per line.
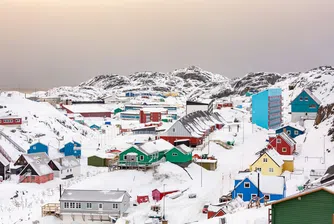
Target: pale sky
(48,43)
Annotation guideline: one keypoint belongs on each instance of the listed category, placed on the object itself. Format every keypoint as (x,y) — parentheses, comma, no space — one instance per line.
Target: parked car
(205,208)
(192,195)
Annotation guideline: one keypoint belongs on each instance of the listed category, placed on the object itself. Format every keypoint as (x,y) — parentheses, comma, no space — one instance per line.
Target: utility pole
(164,208)
(324,150)
(243,129)
(201,175)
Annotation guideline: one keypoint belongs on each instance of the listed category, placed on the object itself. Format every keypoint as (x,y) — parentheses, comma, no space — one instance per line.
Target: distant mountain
(194,82)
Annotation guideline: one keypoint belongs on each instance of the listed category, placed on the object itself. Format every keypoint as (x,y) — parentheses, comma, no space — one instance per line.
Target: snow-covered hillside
(194,82)
(41,122)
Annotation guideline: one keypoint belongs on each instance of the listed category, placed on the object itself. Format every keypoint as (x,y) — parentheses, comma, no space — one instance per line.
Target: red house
(142,199)
(282,143)
(215,211)
(151,114)
(158,195)
(36,168)
(10,120)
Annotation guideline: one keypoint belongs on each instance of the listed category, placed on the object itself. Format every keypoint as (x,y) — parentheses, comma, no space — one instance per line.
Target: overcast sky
(47,43)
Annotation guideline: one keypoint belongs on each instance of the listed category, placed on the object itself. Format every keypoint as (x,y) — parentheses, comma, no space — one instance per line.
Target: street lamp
(164,207)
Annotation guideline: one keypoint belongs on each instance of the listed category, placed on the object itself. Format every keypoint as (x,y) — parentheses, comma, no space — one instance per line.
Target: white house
(65,167)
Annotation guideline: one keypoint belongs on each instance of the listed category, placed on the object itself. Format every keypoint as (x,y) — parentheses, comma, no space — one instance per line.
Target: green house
(181,155)
(102,160)
(145,154)
(117,110)
(312,206)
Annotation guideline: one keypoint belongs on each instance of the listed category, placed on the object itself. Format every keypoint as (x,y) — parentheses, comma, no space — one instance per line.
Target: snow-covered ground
(44,122)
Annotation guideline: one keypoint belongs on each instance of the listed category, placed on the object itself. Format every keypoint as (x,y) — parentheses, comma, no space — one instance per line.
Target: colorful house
(282,143)
(208,164)
(95,127)
(311,206)
(215,211)
(250,184)
(65,167)
(146,154)
(269,163)
(38,147)
(36,168)
(291,130)
(267,108)
(180,155)
(102,159)
(117,110)
(10,121)
(72,149)
(157,194)
(304,106)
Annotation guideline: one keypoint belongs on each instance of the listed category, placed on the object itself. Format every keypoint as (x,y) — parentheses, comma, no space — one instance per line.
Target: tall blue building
(267,108)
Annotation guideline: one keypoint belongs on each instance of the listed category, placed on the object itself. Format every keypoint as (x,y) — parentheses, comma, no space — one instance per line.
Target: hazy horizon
(49,43)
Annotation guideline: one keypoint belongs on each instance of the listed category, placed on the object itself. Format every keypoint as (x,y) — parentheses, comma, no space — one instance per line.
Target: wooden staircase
(4,153)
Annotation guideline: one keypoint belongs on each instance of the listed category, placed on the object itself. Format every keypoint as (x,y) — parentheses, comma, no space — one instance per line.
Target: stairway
(16,146)
(4,153)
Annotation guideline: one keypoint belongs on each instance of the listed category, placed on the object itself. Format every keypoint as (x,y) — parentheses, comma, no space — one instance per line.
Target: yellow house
(269,163)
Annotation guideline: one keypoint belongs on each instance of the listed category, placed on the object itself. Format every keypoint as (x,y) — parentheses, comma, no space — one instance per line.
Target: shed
(209,164)
(180,155)
(311,206)
(142,199)
(117,110)
(157,195)
(102,159)
(215,211)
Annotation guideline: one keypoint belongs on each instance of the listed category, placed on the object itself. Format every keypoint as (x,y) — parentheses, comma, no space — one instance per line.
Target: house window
(173,129)
(296,132)
(17,120)
(247,185)
(288,132)
(300,98)
(115,206)
(265,160)
(174,154)
(89,205)
(312,106)
(240,195)
(124,157)
(77,205)
(72,205)
(253,195)
(141,158)
(66,205)
(100,206)
(271,170)
(267,197)
(284,149)
(278,140)
(258,169)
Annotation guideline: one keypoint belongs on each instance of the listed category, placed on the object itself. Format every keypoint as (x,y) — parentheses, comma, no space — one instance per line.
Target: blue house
(250,184)
(267,108)
(38,147)
(95,127)
(72,149)
(304,106)
(291,130)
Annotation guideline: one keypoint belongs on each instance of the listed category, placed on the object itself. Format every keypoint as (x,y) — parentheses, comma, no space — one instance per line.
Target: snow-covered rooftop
(86,108)
(275,156)
(93,195)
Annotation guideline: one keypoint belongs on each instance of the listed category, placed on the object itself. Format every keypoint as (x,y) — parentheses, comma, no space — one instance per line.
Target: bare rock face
(324,113)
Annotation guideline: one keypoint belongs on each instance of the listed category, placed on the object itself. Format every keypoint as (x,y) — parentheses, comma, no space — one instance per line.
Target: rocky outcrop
(324,113)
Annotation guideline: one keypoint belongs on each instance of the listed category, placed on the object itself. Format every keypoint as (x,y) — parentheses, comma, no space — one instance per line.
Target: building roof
(206,161)
(302,194)
(93,195)
(268,184)
(10,117)
(40,157)
(214,208)
(153,109)
(184,149)
(287,139)
(40,168)
(86,108)
(329,174)
(201,102)
(150,128)
(293,125)
(312,96)
(66,162)
(3,160)
(287,157)
(275,156)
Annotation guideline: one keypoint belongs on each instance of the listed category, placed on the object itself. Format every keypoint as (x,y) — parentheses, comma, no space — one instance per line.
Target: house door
(100,207)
